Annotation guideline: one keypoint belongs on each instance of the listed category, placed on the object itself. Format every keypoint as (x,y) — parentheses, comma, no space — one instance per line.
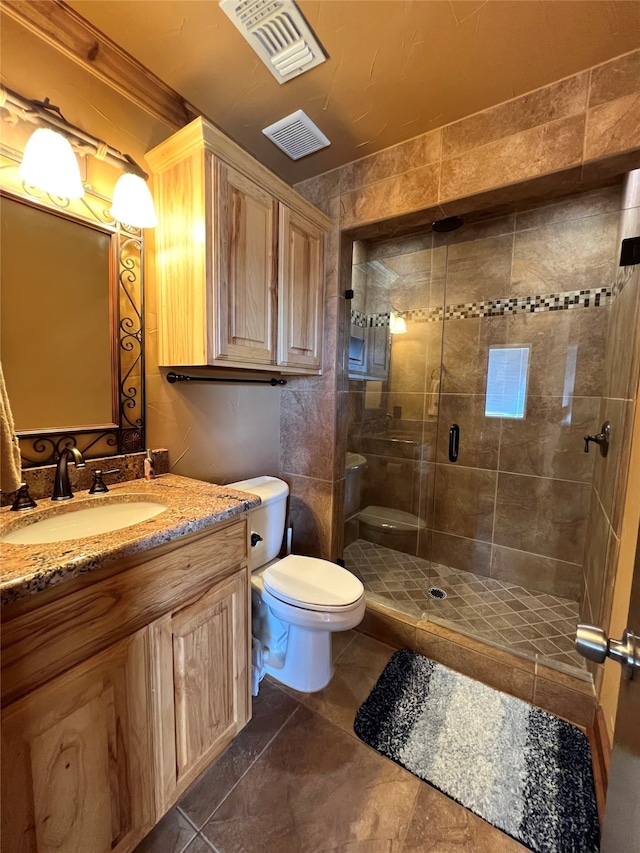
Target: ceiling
(396,68)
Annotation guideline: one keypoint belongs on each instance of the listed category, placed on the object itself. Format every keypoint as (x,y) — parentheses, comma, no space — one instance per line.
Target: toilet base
(308,664)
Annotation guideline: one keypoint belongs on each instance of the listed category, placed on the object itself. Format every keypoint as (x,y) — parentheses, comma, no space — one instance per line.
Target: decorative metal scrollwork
(45,448)
(131,329)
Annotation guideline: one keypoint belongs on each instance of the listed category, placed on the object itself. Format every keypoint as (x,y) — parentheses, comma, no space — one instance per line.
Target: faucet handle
(23,499)
(98,486)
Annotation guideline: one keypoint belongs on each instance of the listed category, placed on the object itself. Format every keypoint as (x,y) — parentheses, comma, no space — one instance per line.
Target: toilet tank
(268,519)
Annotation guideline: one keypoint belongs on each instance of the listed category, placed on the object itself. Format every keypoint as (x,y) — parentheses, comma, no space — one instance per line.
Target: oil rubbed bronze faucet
(62,486)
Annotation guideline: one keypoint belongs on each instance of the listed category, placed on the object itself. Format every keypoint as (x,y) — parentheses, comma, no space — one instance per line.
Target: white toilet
(298,602)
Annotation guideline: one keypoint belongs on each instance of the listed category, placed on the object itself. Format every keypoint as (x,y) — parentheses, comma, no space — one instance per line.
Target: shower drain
(436,592)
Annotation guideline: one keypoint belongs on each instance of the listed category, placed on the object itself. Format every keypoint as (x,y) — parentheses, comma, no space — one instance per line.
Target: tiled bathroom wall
(620,390)
(562,138)
(515,505)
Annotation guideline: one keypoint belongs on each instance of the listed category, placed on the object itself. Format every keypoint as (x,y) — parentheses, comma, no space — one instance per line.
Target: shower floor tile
(533,623)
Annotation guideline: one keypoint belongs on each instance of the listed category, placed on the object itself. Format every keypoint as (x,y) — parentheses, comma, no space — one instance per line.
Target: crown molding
(62,27)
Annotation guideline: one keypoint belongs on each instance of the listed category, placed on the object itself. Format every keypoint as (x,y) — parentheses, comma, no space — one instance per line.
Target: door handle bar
(593,644)
(454,442)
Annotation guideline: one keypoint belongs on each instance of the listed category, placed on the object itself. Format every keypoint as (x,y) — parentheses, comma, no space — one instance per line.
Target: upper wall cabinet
(300,291)
(239,259)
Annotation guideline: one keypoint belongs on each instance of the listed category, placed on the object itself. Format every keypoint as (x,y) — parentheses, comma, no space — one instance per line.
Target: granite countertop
(191,505)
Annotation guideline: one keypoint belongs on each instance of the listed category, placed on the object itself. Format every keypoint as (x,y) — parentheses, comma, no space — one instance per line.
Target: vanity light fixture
(50,164)
(397,323)
(132,202)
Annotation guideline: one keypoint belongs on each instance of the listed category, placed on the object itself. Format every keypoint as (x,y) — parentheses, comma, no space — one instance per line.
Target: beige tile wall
(563,127)
(312,414)
(556,140)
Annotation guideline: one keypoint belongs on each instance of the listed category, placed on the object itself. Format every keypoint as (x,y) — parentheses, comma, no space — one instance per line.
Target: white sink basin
(76,524)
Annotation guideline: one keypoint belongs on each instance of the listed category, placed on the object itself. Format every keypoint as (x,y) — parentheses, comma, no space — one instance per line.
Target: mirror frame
(126,286)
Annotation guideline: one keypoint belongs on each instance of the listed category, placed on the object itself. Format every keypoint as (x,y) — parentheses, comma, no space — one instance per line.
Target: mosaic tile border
(378,321)
(565,301)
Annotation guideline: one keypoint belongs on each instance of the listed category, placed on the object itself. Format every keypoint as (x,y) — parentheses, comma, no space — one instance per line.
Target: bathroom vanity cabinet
(239,259)
(119,688)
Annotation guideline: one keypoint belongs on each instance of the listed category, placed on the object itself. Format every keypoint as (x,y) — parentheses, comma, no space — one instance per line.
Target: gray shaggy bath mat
(517,767)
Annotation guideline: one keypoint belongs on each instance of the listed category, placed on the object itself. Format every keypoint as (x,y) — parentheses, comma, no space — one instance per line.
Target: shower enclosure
(477,367)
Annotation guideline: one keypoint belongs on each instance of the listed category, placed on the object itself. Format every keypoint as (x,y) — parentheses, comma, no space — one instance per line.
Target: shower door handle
(454,442)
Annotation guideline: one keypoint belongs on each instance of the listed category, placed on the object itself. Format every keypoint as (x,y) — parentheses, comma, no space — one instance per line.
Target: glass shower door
(475,479)
(521,383)
(395,356)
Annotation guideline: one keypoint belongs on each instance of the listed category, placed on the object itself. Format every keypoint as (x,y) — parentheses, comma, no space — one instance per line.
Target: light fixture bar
(45,114)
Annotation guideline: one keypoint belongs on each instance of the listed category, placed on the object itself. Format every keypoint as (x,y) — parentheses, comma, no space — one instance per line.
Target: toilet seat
(312,584)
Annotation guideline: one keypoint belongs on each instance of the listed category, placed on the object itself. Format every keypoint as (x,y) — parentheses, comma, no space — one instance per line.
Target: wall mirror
(71,341)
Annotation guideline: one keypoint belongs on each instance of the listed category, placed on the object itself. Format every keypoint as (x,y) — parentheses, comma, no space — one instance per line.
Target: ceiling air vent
(278,33)
(296,135)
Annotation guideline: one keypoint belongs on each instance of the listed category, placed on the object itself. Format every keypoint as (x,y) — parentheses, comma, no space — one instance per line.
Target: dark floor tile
(339,642)
(171,835)
(439,825)
(357,670)
(284,688)
(367,846)
(271,709)
(315,789)
(199,845)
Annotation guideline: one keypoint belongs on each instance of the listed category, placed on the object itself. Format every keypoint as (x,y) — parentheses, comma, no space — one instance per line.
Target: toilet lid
(311,582)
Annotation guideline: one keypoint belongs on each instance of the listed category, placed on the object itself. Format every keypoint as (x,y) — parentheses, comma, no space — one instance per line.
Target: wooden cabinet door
(300,291)
(202,667)
(77,770)
(244,304)
(378,350)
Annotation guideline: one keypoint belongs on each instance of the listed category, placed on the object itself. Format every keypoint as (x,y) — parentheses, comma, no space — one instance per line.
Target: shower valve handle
(601,439)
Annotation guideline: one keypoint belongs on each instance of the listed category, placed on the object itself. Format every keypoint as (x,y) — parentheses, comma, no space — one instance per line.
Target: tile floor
(515,618)
(297,780)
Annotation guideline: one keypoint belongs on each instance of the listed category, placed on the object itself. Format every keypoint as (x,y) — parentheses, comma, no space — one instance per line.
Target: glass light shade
(50,164)
(133,203)
(397,324)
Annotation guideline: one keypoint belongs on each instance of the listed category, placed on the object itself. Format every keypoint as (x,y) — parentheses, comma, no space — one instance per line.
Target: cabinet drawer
(39,645)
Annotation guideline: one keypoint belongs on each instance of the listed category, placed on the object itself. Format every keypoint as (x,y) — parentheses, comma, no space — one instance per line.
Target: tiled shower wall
(515,505)
(620,390)
(564,136)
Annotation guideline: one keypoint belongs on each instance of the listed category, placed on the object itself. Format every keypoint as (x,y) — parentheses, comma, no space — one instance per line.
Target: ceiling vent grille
(278,33)
(296,135)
